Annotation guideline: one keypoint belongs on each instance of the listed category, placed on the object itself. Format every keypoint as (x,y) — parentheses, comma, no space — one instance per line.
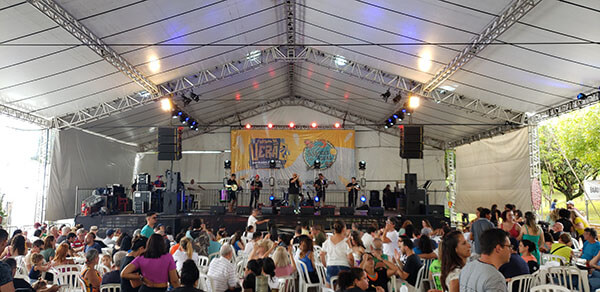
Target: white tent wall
(88,161)
(379,150)
(494,171)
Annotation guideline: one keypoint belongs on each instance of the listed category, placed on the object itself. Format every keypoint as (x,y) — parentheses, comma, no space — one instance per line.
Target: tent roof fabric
(544,59)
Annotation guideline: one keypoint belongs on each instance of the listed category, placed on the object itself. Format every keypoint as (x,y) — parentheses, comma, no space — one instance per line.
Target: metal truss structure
(45,156)
(511,14)
(290,16)
(591,99)
(24,116)
(486,134)
(409,86)
(141,98)
(83,34)
(451,181)
(534,152)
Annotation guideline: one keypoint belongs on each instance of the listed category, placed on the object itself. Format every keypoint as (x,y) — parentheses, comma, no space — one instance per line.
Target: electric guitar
(231,187)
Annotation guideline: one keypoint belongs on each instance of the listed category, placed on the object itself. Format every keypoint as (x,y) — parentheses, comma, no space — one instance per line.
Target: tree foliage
(577,134)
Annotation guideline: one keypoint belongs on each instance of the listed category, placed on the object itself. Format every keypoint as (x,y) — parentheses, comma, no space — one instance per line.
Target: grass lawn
(593,217)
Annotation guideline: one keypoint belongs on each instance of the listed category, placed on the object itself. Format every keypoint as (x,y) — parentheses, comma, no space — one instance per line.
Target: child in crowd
(106,261)
(38,266)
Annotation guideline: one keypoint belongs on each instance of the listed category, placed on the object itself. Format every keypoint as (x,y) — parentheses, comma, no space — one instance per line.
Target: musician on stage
(353,188)
(232,188)
(255,187)
(320,185)
(294,192)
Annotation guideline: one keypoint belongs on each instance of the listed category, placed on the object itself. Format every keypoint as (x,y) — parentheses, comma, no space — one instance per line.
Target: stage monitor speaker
(435,210)
(169,203)
(346,210)
(243,210)
(307,210)
(286,210)
(410,182)
(268,211)
(375,211)
(327,211)
(217,210)
(374,195)
(411,142)
(414,201)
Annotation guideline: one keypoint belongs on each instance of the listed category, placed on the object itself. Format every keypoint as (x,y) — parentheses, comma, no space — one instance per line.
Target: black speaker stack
(411,142)
(417,205)
(169,143)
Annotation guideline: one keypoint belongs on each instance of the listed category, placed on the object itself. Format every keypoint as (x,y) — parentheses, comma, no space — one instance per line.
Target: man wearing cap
(255,187)
(110,233)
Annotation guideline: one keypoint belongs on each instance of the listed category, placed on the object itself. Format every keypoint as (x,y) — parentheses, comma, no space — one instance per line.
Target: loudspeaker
(307,210)
(435,210)
(374,195)
(243,210)
(414,201)
(286,210)
(411,142)
(143,178)
(375,211)
(435,220)
(410,182)
(346,211)
(169,203)
(169,143)
(217,210)
(268,211)
(327,211)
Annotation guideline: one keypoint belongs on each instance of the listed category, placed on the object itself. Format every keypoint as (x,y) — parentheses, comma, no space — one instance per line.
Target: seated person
(526,248)
(563,247)
(23,285)
(253,270)
(189,277)
(38,266)
(591,246)
(516,266)
(114,276)
(410,269)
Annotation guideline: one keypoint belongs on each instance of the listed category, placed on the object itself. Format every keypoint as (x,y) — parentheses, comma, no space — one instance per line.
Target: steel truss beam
(24,116)
(592,98)
(83,34)
(266,106)
(511,14)
(409,86)
(142,98)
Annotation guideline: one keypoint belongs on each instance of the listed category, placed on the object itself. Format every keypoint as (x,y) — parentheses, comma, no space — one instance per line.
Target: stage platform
(232,222)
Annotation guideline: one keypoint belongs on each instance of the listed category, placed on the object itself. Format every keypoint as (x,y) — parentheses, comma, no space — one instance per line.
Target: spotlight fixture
(166,104)
(386,95)
(182,117)
(194,96)
(336,125)
(270,126)
(317,164)
(362,165)
(397,98)
(413,102)
(363,198)
(292,124)
(175,113)
(272,164)
(317,199)
(186,100)
(227,164)
(313,125)
(271,198)
(582,96)
(248,126)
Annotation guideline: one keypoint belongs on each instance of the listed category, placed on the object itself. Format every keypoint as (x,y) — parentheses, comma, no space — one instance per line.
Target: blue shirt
(590,250)
(213,247)
(147,231)
(95,246)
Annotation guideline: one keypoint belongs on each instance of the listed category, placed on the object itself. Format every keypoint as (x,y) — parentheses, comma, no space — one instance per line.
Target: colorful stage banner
(293,151)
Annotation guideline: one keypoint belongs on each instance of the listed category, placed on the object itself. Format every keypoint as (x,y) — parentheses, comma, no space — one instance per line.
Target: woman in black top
(354,280)
(189,277)
(377,277)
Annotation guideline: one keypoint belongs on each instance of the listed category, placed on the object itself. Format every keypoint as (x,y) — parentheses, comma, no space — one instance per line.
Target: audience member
(356,244)
(109,240)
(48,251)
(138,248)
(367,238)
(565,219)
(256,237)
(151,220)
(424,246)
(36,247)
(17,247)
(284,263)
(579,222)
(114,276)
(62,252)
(318,235)
(526,248)
(533,233)
(354,280)
(378,277)
(222,271)
(556,231)
(455,250)
(563,248)
(253,270)
(591,246)
(306,256)
(185,252)
(402,230)
(483,274)
(390,237)
(479,226)
(516,266)
(90,276)
(495,215)
(38,266)
(90,243)
(189,277)
(336,254)
(509,225)
(64,232)
(409,270)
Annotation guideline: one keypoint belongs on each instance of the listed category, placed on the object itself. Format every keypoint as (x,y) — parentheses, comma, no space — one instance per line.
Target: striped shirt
(223,275)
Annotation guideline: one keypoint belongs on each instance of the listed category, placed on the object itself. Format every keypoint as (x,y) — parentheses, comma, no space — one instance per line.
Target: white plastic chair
(576,245)
(225,240)
(80,288)
(420,277)
(304,279)
(21,272)
(107,250)
(110,288)
(436,277)
(567,277)
(552,257)
(321,273)
(203,282)
(67,276)
(213,256)
(239,270)
(333,282)
(286,284)
(203,264)
(523,283)
(549,288)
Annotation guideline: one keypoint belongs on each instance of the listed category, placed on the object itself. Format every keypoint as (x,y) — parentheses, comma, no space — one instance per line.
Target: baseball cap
(570,203)
(110,231)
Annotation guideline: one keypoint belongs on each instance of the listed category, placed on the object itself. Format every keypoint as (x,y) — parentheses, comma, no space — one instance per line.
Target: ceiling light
(448,88)
(270,126)
(248,126)
(292,124)
(153,64)
(253,56)
(414,101)
(340,61)
(336,125)
(314,125)
(582,96)
(425,61)
(165,104)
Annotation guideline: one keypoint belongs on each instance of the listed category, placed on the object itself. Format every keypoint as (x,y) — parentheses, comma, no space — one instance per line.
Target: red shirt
(77,243)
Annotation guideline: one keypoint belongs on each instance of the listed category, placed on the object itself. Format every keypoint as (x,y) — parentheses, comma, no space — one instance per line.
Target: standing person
(151,219)
(137,249)
(479,226)
(232,188)
(336,254)
(320,185)
(294,191)
(533,233)
(509,225)
(553,205)
(483,274)
(353,187)
(390,238)
(389,201)
(253,220)
(255,186)
(156,267)
(90,276)
(495,215)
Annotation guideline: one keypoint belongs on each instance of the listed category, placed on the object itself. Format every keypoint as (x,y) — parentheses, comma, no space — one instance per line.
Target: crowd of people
(484,256)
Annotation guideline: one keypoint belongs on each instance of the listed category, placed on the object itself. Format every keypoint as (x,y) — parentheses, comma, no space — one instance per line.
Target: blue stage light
(271,198)
(363,199)
(317,199)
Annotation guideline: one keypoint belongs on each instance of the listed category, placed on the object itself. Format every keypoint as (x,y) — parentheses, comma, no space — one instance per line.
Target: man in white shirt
(252,220)
(222,272)
(109,240)
(367,238)
(390,237)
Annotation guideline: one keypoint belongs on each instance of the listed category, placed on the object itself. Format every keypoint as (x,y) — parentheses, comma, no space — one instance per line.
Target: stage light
(414,101)
(227,164)
(271,198)
(362,165)
(317,199)
(397,98)
(186,120)
(186,100)
(193,124)
(153,64)
(581,96)
(292,124)
(175,113)
(317,164)
(363,198)
(194,96)
(336,125)
(314,125)
(386,95)
(165,104)
(272,163)
(270,126)
(182,118)
(248,126)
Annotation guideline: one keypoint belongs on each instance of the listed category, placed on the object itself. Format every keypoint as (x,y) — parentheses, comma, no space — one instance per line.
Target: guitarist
(255,187)
(232,188)
(320,185)
(353,187)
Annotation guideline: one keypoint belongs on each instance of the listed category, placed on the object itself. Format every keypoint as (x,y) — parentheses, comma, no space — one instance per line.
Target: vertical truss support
(290,15)
(535,171)
(45,148)
(451,182)
(511,14)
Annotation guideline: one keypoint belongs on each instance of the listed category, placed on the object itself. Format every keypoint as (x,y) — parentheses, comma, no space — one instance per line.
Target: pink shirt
(284,271)
(155,270)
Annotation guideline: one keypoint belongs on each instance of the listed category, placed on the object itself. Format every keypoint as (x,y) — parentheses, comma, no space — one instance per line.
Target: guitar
(318,187)
(231,187)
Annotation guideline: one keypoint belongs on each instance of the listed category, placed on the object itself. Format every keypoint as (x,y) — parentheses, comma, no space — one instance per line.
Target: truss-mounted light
(253,56)
(340,61)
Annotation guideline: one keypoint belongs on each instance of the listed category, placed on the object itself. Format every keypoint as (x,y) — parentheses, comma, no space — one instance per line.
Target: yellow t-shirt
(559,250)
(585,225)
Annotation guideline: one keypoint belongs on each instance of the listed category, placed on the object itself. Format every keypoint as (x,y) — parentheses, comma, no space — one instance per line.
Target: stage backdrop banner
(294,151)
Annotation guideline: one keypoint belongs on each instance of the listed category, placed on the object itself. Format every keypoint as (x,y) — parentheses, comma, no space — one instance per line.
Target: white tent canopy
(101,66)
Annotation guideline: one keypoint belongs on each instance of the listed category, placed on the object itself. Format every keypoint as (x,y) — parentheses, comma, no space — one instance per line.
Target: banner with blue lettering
(293,151)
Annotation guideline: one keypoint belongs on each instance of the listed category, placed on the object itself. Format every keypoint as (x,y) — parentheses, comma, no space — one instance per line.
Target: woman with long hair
(236,241)
(185,252)
(533,233)
(17,247)
(48,251)
(495,214)
(284,265)
(579,223)
(355,280)
(358,248)
(509,224)
(268,269)
(60,258)
(306,256)
(90,276)
(455,251)
(402,230)
(156,267)
(336,253)
(377,276)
